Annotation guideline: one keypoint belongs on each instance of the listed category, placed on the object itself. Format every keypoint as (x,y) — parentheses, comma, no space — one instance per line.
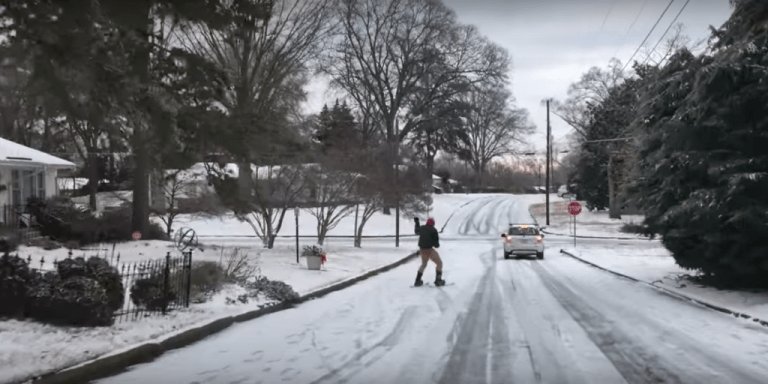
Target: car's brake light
(508,239)
(539,239)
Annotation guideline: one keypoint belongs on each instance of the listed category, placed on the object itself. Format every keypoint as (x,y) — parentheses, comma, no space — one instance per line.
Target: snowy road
(503,321)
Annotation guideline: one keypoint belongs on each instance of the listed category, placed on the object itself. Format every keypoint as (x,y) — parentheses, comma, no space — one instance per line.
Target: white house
(439,186)
(26,172)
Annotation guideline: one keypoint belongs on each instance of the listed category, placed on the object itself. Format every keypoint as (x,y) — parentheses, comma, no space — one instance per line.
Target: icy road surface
(503,321)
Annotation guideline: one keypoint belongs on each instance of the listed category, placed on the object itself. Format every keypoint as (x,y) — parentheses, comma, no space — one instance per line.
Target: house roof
(17,154)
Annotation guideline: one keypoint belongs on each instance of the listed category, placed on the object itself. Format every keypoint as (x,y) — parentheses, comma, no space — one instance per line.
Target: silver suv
(523,239)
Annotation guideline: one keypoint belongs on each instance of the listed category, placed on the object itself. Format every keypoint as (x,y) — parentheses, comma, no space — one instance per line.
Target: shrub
(206,277)
(633,228)
(77,300)
(112,226)
(15,280)
(275,290)
(235,266)
(55,216)
(149,293)
(81,293)
(109,278)
(9,239)
(156,232)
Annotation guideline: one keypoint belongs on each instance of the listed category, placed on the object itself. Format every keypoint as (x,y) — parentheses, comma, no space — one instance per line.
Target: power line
(607,14)
(638,16)
(648,35)
(665,32)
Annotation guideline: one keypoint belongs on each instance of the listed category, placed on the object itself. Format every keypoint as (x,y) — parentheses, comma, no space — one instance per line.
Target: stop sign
(136,235)
(574,208)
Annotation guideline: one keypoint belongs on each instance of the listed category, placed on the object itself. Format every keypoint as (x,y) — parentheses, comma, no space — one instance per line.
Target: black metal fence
(155,286)
(150,287)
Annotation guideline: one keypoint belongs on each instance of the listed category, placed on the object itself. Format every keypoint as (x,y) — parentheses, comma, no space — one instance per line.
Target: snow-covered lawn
(588,223)
(29,349)
(642,259)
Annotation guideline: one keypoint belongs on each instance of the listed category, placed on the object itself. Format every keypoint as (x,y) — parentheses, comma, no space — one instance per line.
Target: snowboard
(426,284)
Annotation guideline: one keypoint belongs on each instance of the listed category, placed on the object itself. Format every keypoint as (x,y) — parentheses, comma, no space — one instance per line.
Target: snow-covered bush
(80,293)
(15,280)
(151,294)
(78,300)
(274,290)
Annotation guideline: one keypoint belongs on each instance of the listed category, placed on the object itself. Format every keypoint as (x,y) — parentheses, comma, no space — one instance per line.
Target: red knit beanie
(430,222)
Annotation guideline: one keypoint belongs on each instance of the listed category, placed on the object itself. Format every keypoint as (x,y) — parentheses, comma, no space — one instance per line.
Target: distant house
(24,173)
(439,185)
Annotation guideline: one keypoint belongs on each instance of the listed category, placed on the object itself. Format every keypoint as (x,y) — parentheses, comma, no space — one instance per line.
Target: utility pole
(396,151)
(549,158)
(614,203)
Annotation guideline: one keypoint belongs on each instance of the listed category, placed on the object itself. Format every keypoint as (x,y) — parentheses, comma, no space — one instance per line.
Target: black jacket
(428,237)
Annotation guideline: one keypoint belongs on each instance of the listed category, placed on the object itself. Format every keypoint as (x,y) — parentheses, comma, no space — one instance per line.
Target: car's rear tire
(540,255)
(506,255)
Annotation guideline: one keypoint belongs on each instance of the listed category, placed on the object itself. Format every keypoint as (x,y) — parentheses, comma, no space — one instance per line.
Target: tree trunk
(93,179)
(47,147)
(245,182)
(140,216)
(359,234)
(169,224)
(136,15)
(614,202)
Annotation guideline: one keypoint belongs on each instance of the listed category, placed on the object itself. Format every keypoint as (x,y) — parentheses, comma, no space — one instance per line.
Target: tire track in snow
(635,363)
(367,356)
(481,341)
(694,362)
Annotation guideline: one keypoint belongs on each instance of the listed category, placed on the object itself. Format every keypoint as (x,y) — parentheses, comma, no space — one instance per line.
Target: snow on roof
(15,153)
(436,178)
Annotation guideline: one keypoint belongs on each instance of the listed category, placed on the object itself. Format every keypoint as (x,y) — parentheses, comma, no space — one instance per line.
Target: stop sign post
(574,208)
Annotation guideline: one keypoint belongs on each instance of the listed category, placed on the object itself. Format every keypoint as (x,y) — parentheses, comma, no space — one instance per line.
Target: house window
(15,188)
(25,184)
(41,185)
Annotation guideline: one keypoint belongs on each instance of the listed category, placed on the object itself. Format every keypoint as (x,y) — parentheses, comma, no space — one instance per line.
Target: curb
(672,293)
(114,364)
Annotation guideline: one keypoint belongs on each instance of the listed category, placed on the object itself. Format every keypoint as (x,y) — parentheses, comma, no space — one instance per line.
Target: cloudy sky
(553,42)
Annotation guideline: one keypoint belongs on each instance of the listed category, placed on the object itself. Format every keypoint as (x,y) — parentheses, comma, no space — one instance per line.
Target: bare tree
(275,190)
(398,58)
(267,68)
(658,55)
(593,88)
(493,127)
(333,196)
(185,192)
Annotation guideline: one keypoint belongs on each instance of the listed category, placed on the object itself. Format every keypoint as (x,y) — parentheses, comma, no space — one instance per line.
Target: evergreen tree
(608,119)
(704,175)
(337,129)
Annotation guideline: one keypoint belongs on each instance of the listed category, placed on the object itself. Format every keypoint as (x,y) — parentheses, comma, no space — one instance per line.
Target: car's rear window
(520,231)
